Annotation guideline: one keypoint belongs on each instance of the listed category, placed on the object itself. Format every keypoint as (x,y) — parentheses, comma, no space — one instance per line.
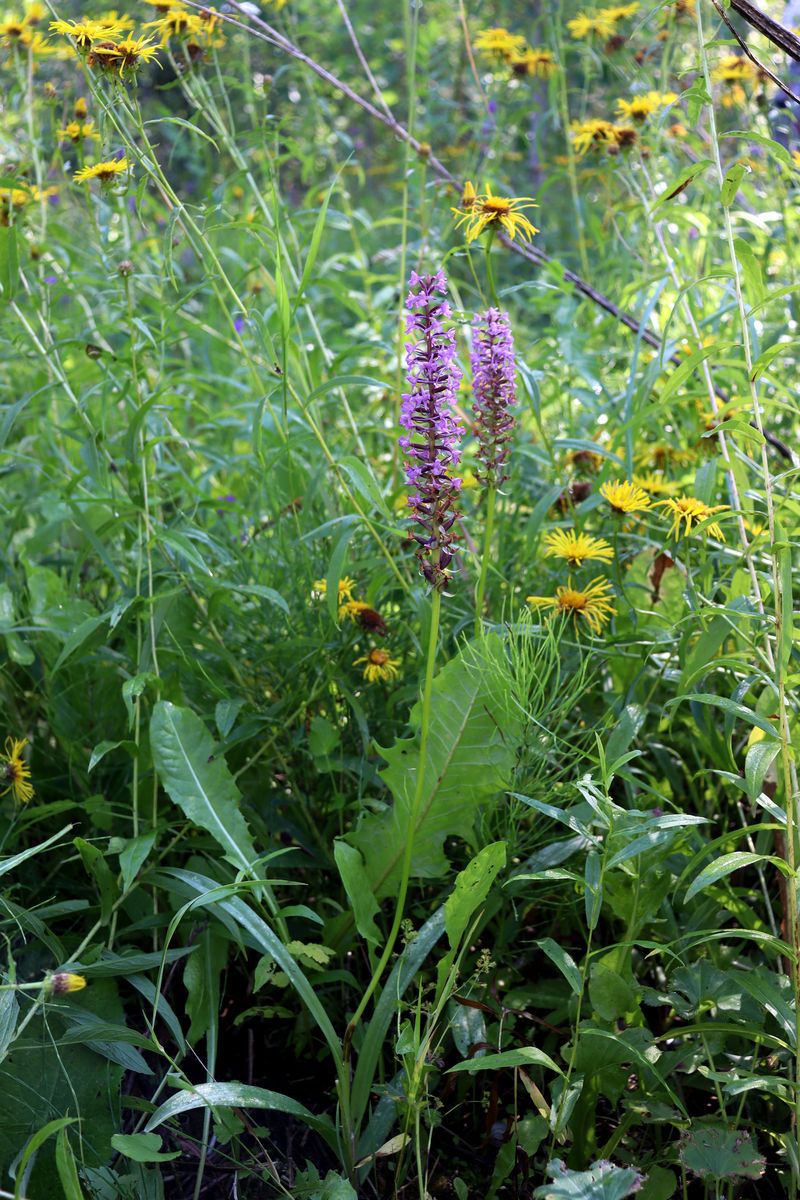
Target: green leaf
(201,976)
(33,1144)
(359,893)
(751,269)
(239,1095)
(15,860)
(134,855)
(768,356)
(335,572)
(142,1147)
(526,1056)
(603,1181)
(711,1152)
(725,865)
(565,963)
(471,888)
(610,994)
(730,184)
(474,734)
(780,152)
(9,261)
(197,779)
(316,239)
(682,182)
(99,870)
(728,706)
(757,762)
(67,1168)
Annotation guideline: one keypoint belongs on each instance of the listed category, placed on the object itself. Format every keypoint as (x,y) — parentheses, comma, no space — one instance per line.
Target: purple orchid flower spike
(494,388)
(432,444)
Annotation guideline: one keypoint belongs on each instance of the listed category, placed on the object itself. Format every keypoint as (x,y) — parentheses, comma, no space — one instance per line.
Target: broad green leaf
(197,779)
(470,890)
(676,186)
(725,865)
(9,1012)
(9,261)
(142,1147)
(335,572)
(201,976)
(768,356)
(603,1181)
(714,1152)
(239,1095)
(526,1056)
(757,762)
(750,135)
(610,994)
(364,481)
(474,733)
(362,901)
(313,248)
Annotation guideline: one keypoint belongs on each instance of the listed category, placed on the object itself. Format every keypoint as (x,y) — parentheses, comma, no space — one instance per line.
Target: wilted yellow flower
(488,209)
(593,133)
(538,62)
(625,497)
(124,55)
(15,774)
(599,24)
(378,665)
(104,171)
(689,511)
(499,42)
(591,605)
(577,548)
(469,195)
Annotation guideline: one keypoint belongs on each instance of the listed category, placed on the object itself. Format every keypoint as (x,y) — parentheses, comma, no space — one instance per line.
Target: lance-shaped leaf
(472,744)
(198,780)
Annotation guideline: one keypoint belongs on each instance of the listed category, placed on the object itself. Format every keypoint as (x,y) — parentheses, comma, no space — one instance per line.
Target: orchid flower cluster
(432,441)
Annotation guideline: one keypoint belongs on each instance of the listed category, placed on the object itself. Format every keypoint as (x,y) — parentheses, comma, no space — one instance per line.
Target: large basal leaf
(472,745)
(197,779)
(603,1181)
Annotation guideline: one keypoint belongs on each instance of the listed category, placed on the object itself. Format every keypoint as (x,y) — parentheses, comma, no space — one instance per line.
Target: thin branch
(778,83)
(778,34)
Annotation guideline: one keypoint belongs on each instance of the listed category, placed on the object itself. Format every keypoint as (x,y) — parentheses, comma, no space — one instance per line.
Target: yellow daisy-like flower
(689,511)
(35,13)
(64,982)
(85,33)
(577,548)
(620,12)
(79,132)
(654,484)
(499,43)
(125,55)
(538,62)
(80,108)
(637,109)
(591,605)
(104,171)
(15,773)
(12,28)
(599,24)
(660,455)
(177,22)
(488,209)
(378,665)
(733,68)
(586,135)
(625,497)
(344,590)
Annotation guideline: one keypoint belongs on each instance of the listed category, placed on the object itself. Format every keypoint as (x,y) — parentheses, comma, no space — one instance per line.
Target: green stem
(490,270)
(491,497)
(405,870)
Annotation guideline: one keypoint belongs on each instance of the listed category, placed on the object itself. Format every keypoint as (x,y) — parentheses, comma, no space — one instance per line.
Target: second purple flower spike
(494,387)
(433,439)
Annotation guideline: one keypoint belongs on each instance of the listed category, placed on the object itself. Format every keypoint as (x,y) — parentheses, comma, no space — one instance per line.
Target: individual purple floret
(432,441)
(494,388)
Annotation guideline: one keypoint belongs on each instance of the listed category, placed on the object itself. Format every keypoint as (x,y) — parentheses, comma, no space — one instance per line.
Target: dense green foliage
(318,883)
